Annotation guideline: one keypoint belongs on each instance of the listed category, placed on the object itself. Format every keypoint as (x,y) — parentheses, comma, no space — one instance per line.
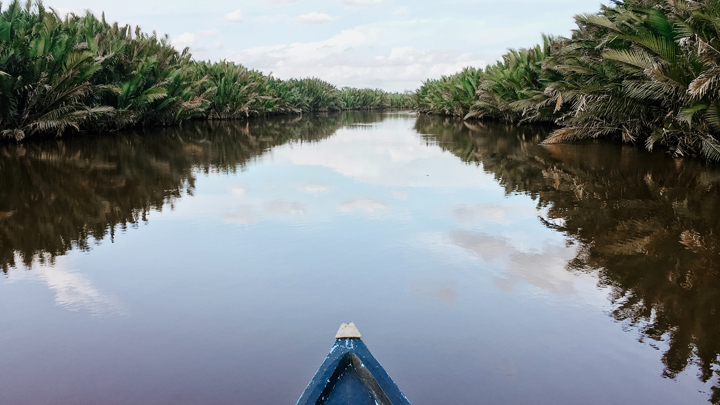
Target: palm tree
(46,73)
(450,95)
(82,72)
(642,70)
(511,89)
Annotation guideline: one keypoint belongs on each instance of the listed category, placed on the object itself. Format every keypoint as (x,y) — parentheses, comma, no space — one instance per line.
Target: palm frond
(637,58)
(598,20)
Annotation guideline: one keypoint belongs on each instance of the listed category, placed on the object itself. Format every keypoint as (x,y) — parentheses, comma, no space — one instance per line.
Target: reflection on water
(73,290)
(647,226)
(302,222)
(57,196)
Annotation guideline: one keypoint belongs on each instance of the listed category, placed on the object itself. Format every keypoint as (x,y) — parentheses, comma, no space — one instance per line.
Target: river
(213,263)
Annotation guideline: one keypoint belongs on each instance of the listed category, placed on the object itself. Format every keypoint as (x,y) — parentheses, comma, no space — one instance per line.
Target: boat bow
(350,375)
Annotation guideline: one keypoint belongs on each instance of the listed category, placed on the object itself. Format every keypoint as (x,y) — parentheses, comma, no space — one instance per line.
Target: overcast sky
(389,44)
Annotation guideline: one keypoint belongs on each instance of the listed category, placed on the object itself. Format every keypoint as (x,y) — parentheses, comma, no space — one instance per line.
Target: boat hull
(351,375)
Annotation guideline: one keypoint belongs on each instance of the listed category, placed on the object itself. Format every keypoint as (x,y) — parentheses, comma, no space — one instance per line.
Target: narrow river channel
(213,263)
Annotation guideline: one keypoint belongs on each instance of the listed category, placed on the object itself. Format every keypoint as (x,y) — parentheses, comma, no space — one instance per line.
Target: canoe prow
(350,375)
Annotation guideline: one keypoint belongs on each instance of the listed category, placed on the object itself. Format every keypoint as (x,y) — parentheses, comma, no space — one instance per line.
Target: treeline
(641,71)
(82,73)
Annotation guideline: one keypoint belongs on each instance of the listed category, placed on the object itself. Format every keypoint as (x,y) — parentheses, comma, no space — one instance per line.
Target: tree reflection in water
(61,195)
(647,226)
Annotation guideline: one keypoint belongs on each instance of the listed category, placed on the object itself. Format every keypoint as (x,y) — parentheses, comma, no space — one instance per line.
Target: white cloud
(314,18)
(189,39)
(469,215)
(272,19)
(73,290)
(363,3)
(365,57)
(401,12)
(280,208)
(184,40)
(489,212)
(410,55)
(234,17)
(485,27)
(199,42)
(367,205)
(275,209)
(238,190)
(544,269)
(375,157)
(243,215)
(299,52)
(316,188)
(343,60)
(400,194)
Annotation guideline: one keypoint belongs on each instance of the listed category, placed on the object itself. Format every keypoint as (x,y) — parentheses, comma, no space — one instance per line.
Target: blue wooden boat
(350,375)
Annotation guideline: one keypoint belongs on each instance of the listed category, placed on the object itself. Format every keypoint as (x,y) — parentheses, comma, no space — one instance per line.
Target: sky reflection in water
(246,245)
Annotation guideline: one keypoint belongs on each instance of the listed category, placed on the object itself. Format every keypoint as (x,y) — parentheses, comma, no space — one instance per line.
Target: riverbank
(78,73)
(640,71)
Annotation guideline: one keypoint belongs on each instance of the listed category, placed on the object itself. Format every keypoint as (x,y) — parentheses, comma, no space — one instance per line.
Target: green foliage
(645,71)
(315,95)
(364,98)
(402,100)
(44,82)
(82,72)
(231,89)
(511,89)
(450,95)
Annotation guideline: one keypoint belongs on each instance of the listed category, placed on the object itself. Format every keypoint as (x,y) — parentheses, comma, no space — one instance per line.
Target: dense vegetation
(642,71)
(80,72)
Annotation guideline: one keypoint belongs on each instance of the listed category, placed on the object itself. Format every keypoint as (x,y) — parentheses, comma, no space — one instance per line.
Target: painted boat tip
(348,331)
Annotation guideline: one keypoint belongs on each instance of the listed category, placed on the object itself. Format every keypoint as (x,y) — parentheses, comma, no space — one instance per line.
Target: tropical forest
(236,202)
(644,72)
(72,73)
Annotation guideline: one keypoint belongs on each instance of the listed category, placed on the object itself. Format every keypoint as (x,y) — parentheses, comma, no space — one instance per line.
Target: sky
(389,44)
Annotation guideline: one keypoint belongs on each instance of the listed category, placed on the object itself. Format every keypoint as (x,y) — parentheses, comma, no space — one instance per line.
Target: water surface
(212,264)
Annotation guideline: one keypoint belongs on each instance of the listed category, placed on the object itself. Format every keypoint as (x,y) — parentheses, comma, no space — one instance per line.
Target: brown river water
(213,263)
